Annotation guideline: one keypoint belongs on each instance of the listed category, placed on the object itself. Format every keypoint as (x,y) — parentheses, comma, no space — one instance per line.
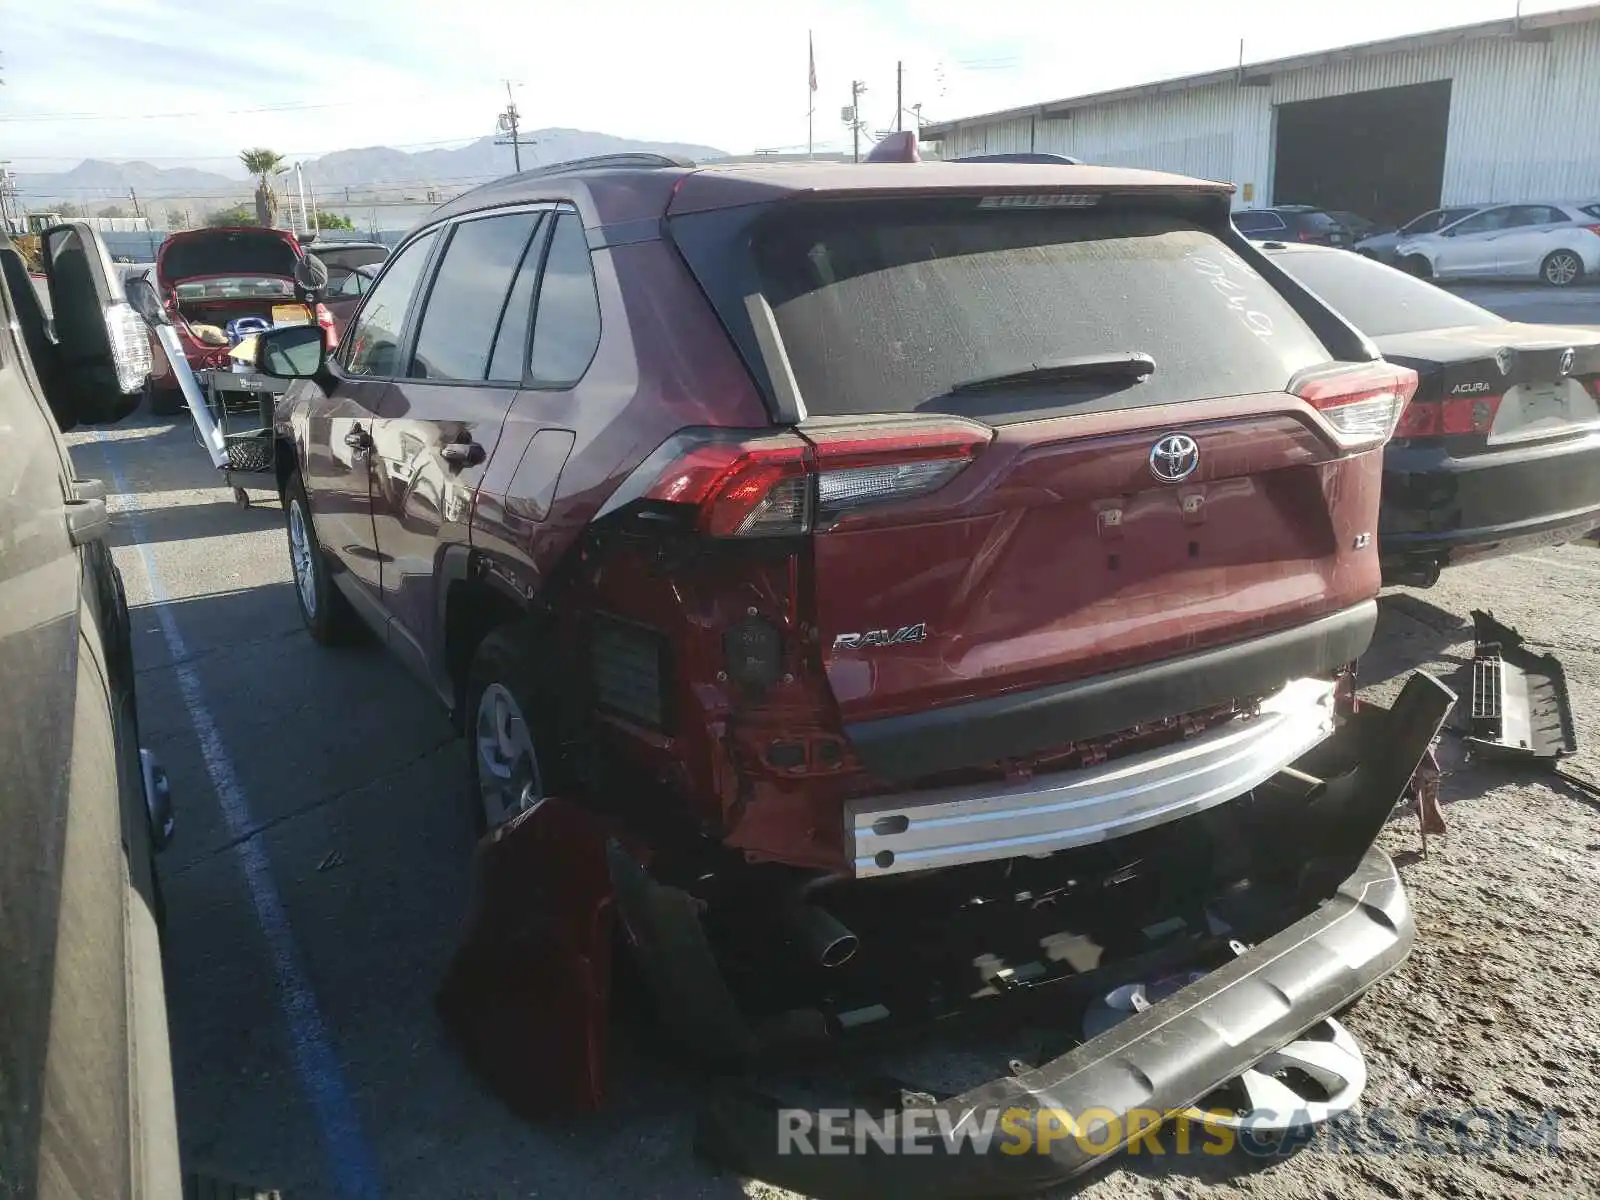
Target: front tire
(1561,268)
(327,614)
(1418,266)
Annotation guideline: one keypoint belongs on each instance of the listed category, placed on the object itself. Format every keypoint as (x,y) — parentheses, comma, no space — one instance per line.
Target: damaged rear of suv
(916,588)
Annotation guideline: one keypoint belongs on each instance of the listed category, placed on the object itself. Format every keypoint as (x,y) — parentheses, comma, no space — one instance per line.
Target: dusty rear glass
(885,307)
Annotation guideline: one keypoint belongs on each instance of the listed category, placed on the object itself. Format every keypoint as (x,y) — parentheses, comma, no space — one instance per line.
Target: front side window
(375,339)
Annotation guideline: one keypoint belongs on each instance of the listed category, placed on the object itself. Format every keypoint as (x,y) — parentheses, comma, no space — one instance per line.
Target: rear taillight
(1594,229)
(786,484)
(1440,418)
(1361,403)
(330,333)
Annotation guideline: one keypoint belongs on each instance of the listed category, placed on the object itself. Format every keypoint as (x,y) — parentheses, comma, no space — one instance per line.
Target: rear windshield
(253,288)
(1379,300)
(884,309)
(354,256)
(1318,220)
(234,253)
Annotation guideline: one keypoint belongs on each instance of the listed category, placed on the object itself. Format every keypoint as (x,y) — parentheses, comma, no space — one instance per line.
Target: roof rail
(638,159)
(1065,160)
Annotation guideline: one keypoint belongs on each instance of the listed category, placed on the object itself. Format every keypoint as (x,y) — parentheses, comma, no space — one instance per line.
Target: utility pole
(899,96)
(856,88)
(508,123)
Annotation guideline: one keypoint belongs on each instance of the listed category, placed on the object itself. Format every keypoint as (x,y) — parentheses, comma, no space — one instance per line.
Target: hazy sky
(149,79)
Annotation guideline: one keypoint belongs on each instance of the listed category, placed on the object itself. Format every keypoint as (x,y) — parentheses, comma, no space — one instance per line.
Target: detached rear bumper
(1161,1060)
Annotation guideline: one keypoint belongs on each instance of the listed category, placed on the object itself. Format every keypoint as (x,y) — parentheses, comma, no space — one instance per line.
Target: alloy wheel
(1562,268)
(301,558)
(508,769)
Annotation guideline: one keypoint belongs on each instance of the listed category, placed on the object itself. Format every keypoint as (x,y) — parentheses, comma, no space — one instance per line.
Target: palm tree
(263,164)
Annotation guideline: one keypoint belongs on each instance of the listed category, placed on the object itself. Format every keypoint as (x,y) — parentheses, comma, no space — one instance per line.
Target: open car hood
(226,253)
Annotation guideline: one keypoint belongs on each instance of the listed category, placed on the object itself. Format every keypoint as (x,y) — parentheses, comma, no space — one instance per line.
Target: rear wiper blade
(1133,365)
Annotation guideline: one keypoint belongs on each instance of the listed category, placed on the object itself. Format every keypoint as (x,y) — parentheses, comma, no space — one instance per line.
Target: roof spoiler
(900,146)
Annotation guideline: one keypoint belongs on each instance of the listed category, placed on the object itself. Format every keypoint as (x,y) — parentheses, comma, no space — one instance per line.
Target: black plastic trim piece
(1160,1060)
(981,731)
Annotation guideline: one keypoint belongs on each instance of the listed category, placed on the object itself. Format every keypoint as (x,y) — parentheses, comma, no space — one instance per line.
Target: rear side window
(1379,300)
(566,325)
(1592,210)
(884,308)
(375,341)
(468,297)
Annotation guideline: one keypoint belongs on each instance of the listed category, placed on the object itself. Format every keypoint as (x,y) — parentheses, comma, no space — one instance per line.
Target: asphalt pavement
(320,872)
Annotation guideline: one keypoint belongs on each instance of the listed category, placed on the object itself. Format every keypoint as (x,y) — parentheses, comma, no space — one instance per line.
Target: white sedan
(1558,243)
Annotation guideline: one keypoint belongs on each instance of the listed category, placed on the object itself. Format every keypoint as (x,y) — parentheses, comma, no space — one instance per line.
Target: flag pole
(811,94)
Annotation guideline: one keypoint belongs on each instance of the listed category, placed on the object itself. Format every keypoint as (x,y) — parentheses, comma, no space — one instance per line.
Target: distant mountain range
(94,183)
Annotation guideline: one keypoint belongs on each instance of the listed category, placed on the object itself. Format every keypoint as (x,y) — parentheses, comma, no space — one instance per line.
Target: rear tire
(514,755)
(165,402)
(327,614)
(1561,268)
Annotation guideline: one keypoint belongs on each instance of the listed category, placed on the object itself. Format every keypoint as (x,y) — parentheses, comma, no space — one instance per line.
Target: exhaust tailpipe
(1416,573)
(824,937)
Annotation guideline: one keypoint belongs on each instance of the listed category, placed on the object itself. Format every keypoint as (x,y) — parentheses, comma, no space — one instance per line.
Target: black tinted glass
(566,328)
(1379,300)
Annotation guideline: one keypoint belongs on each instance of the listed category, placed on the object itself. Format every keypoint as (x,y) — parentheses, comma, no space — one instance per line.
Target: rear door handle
(463,454)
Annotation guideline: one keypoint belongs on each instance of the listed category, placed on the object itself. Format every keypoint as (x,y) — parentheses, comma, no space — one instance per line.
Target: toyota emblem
(1174,458)
(1566,361)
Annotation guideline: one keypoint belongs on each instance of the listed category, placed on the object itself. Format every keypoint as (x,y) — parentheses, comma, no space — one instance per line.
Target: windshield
(1379,300)
(885,307)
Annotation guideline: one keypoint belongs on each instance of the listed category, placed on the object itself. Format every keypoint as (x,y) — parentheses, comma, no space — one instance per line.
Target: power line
(210,112)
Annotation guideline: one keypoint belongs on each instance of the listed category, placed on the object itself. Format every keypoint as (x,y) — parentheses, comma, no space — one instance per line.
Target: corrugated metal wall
(1524,120)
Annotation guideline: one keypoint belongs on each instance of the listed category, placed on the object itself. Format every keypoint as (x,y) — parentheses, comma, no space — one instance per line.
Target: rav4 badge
(904,636)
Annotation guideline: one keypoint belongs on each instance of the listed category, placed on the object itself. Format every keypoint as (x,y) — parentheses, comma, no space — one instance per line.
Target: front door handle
(463,454)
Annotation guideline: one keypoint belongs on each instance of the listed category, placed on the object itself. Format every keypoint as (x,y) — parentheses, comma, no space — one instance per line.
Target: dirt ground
(1495,1017)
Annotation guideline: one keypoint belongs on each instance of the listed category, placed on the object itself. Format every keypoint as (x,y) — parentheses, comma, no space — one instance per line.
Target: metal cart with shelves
(241,405)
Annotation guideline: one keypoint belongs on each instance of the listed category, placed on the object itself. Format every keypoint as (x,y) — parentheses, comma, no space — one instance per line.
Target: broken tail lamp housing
(130,346)
(780,485)
(1360,404)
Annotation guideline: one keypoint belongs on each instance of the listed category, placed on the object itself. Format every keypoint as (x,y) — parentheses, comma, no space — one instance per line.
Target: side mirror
(142,295)
(291,352)
(311,273)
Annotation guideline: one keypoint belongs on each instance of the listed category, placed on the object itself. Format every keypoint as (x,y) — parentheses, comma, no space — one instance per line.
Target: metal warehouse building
(1505,110)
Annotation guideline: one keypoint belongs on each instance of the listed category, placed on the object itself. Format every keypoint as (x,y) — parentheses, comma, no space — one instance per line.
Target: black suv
(1292,223)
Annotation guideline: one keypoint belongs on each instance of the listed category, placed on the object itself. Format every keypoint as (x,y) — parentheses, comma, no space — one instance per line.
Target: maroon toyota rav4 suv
(869,589)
